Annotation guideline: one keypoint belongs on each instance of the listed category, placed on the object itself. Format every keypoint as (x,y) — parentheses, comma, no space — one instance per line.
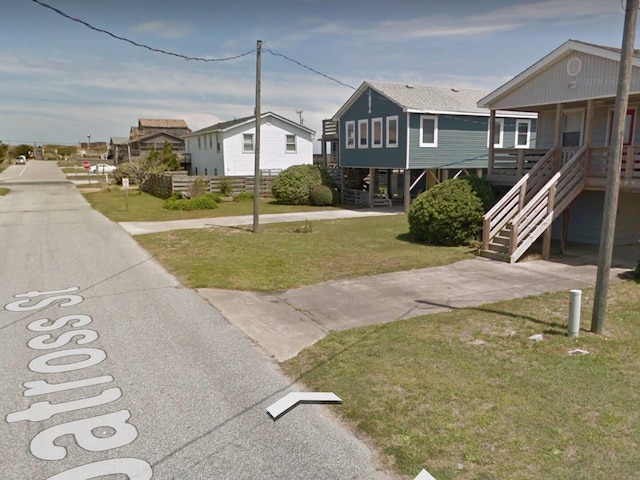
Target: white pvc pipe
(575,303)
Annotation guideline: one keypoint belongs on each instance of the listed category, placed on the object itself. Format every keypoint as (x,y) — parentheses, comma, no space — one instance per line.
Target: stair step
(493,255)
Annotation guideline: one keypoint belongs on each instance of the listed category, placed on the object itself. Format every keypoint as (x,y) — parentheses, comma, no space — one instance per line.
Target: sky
(61,81)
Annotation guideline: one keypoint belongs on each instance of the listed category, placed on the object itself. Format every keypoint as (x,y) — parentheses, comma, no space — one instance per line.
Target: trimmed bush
(447,214)
(293,185)
(482,189)
(243,196)
(321,196)
(208,201)
(126,170)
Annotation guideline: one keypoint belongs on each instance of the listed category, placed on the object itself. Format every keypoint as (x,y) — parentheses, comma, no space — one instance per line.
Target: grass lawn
(3,191)
(281,257)
(467,395)
(147,208)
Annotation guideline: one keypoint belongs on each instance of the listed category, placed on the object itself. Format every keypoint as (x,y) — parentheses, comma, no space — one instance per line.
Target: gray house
(558,186)
(404,138)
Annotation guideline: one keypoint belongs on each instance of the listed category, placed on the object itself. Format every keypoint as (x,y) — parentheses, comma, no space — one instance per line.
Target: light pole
(88,145)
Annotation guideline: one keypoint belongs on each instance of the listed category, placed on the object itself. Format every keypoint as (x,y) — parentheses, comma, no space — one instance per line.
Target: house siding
(597,78)
(585,219)
(272,148)
(384,157)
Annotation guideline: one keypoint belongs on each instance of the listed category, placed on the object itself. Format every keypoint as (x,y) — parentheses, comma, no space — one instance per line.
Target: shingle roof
(119,140)
(636,53)
(427,98)
(161,123)
(218,127)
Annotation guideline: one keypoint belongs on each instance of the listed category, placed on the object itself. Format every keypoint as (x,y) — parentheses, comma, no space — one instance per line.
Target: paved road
(110,366)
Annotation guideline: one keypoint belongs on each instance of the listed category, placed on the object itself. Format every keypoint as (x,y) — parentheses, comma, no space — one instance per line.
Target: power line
(141,45)
(277,54)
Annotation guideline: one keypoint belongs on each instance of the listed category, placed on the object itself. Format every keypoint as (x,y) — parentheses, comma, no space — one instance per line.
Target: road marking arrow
(290,400)
(424,475)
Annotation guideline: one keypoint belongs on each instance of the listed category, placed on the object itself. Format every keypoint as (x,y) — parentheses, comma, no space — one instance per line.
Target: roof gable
(228,125)
(570,47)
(421,98)
(161,123)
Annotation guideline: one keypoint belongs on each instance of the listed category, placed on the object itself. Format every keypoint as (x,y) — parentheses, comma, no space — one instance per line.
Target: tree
(23,149)
(157,161)
(4,148)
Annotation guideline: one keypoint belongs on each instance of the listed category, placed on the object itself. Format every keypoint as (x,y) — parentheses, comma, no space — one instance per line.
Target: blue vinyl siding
(462,143)
(374,157)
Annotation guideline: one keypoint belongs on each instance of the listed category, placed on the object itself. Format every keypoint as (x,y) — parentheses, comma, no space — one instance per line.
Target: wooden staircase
(533,203)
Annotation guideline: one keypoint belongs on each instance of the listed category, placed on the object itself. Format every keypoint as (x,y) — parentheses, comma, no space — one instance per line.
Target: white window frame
(286,143)
(211,142)
(499,121)
(350,125)
(217,143)
(521,121)
(374,122)
(244,144)
(389,120)
(199,143)
(435,130)
(364,122)
(571,111)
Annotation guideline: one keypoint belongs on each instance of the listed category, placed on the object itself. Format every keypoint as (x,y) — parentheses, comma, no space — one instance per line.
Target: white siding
(273,153)
(597,79)
(205,161)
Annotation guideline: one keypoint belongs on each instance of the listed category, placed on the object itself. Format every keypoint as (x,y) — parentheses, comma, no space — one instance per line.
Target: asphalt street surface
(111,369)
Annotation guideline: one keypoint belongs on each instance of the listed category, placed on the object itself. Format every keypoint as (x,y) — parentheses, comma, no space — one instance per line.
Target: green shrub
(243,196)
(207,201)
(226,189)
(293,185)
(482,189)
(126,170)
(321,196)
(447,214)
(198,187)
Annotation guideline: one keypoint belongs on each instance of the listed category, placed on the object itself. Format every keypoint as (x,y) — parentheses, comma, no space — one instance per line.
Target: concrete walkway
(285,323)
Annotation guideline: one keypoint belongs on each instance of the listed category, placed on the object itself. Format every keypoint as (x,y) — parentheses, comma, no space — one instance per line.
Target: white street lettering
(134,468)
(62,300)
(41,364)
(51,292)
(42,445)
(41,387)
(43,410)
(42,342)
(44,325)
(95,434)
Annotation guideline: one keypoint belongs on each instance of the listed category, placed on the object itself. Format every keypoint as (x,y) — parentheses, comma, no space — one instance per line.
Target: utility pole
(299,112)
(256,167)
(613,169)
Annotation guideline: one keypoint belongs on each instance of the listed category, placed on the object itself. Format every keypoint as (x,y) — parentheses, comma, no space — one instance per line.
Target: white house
(227,148)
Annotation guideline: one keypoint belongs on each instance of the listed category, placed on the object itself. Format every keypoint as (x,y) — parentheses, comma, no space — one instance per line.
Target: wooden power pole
(256,146)
(613,168)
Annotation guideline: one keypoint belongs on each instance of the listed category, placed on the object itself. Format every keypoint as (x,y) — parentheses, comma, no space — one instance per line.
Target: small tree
(157,161)
(4,149)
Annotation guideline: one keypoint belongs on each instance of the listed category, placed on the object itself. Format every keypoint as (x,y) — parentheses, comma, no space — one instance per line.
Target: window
(363,133)
(199,144)
(217,143)
(376,135)
(428,131)
(523,133)
(392,131)
(572,128)
(205,142)
(247,142)
(210,141)
(498,133)
(350,133)
(290,144)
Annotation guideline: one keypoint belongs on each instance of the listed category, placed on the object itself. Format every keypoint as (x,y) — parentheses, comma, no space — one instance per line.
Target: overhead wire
(141,45)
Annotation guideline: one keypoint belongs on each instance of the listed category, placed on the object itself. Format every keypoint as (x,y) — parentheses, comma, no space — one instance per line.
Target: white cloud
(164,28)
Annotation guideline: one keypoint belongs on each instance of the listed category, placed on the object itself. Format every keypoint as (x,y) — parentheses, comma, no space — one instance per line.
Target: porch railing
(556,195)
(512,203)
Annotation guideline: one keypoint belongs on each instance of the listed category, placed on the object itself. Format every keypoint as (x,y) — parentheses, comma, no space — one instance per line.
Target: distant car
(102,168)
(21,160)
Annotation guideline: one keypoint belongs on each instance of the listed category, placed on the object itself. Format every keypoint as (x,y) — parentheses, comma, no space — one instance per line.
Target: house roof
(423,98)
(224,126)
(161,123)
(119,140)
(603,51)
(154,134)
